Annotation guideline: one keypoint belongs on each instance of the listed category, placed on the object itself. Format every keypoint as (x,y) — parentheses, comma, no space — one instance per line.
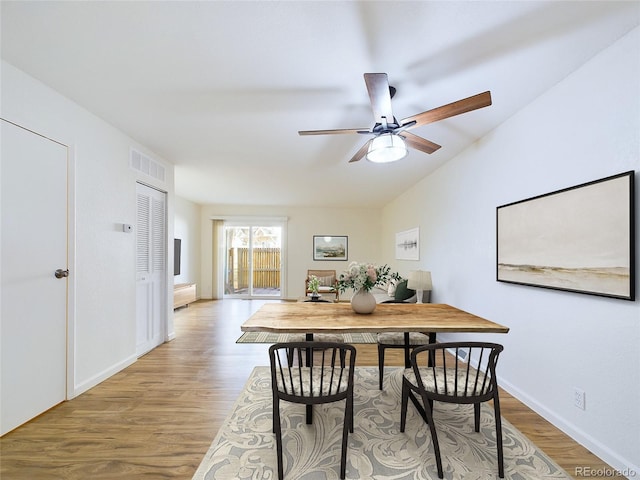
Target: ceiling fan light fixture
(386,148)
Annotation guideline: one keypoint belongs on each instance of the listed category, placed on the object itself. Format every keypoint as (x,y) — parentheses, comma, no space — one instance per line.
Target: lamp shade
(419,280)
(386,148)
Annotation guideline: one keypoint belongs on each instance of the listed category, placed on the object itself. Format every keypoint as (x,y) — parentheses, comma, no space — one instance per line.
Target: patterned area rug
(265,337)
(244,448)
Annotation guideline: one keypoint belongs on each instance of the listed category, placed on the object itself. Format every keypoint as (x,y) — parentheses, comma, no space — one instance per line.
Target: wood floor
(157,418)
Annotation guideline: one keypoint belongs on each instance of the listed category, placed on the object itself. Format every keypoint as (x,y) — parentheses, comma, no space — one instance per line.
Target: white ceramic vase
(363,301)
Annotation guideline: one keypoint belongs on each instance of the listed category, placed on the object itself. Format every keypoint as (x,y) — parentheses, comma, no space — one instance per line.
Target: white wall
(102,308)
(586,127)
(361,225)
(187,228)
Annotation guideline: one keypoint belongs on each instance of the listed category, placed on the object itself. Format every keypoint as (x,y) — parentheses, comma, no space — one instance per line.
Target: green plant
(314,284)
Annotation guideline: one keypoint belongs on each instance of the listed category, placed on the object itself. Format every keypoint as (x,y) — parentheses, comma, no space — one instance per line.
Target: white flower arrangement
(365,276)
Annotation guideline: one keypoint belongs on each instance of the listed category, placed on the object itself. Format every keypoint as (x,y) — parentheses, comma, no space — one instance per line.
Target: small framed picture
(408,244)
(330,247)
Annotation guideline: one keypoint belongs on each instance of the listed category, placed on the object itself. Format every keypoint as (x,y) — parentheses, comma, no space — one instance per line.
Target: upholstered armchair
(328,282)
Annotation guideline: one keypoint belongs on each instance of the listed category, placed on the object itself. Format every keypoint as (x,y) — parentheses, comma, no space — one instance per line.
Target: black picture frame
(579,239)
(330,247)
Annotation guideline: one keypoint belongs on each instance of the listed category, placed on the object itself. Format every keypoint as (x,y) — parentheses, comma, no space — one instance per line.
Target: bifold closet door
(151,268)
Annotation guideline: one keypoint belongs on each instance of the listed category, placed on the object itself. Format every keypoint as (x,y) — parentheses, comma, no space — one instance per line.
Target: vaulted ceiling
(221,88)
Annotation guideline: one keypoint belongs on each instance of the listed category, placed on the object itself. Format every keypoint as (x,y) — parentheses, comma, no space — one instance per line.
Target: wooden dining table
(317,317)
(314,317)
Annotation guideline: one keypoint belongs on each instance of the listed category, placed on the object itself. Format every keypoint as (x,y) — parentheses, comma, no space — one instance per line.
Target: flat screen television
(177,247)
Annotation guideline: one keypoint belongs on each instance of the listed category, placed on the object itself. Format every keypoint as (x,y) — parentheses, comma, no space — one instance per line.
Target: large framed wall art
(579,239)
(330,247)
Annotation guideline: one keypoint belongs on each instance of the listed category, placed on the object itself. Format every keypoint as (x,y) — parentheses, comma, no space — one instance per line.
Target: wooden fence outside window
(266,268)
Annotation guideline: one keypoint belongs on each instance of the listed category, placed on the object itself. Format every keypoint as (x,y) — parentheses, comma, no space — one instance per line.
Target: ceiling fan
(390,137)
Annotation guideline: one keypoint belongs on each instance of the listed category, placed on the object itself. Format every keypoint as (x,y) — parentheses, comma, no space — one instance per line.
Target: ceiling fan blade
(450,110)
(333,132)
(419,143)
(380,96)
(361,153)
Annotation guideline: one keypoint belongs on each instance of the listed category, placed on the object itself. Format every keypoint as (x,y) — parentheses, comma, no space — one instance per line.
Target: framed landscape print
(408,244)
(579,239)
(330,247)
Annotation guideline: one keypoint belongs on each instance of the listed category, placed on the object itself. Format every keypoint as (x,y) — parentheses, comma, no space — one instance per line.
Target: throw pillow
(402,292)
(327,281)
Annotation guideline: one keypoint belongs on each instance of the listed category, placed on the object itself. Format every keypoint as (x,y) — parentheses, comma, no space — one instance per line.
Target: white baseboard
(101,377)
(620,465)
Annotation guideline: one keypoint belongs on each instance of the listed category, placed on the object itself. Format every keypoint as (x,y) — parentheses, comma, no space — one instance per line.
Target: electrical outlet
(579,398)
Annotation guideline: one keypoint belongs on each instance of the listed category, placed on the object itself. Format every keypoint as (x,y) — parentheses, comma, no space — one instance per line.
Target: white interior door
(33,321)
(151,268)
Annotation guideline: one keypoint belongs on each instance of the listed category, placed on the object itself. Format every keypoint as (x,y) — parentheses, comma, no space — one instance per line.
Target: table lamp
(419,280)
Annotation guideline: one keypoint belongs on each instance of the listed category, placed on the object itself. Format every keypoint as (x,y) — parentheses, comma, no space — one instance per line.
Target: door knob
(60,273)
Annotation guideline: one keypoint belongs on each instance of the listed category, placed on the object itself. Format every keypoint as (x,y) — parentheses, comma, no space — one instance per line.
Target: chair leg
(278,431)
(290,356)
(476,416)
(427,415)
(274,413)
(343,358)
(434,435)
(351,415)
(498,420)
(403,406)
(380,365)
(348,425)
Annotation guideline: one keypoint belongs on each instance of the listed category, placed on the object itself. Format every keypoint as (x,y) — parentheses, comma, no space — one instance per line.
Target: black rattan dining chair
(406,341)
(312,373)
(448,379)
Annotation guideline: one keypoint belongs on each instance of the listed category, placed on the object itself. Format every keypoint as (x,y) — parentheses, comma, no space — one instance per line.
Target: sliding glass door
(253,261)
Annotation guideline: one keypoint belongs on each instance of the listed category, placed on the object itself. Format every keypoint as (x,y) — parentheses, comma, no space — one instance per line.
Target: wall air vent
(463,354)
(142,163)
